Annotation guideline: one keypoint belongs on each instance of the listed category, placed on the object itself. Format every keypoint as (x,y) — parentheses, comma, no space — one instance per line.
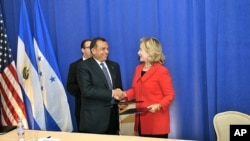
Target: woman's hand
(154,107)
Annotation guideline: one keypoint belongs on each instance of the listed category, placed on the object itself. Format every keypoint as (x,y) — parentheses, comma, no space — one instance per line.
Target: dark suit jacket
(95,116)
(74,89)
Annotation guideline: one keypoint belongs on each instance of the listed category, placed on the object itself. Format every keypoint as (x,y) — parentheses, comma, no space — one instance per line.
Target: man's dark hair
(93,42)
(83,42)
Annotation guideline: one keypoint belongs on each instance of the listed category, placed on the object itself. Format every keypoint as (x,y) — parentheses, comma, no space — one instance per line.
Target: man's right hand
(118,94)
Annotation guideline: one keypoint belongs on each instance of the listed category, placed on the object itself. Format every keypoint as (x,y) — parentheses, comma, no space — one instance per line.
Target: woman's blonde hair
(153,47)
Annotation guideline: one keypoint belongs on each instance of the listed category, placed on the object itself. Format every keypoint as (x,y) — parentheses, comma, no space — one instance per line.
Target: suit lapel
(98,71)
(151,72)
(148,74)
(138,73)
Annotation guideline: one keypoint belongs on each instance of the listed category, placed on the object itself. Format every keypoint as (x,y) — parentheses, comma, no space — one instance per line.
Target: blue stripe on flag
(51,123)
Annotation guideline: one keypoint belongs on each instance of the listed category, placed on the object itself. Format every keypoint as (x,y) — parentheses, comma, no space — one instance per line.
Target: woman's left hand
(154,108)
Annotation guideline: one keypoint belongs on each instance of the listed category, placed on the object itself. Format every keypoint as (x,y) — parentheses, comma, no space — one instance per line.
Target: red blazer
(155,86)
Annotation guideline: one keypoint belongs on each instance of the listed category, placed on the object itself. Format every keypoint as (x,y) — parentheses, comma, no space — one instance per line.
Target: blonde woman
(152,84)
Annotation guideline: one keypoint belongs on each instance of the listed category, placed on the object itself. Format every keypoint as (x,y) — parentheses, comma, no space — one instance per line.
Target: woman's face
(143,54)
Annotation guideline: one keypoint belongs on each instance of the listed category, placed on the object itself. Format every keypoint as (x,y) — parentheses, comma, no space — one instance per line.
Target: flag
(41,81)
(28,73)
(57,112)
(12,104)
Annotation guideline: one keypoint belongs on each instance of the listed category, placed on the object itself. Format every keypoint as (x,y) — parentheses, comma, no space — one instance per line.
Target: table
(68,136)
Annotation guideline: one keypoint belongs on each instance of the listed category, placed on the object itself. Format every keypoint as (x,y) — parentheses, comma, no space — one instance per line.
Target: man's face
(101,51)
(86,50)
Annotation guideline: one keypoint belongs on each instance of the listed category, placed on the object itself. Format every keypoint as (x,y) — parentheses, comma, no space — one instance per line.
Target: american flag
(12,105)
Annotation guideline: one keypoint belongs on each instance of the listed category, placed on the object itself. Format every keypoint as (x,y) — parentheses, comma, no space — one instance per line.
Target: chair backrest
(222,122)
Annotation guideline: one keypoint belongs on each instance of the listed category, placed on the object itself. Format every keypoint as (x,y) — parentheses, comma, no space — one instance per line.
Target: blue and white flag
(54,96)
(28,73)
(40,75)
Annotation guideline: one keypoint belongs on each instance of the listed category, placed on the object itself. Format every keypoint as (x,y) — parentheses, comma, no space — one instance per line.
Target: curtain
(206,44)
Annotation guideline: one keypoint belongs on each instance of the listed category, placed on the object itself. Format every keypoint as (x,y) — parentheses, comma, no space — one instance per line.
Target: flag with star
(40,75)
(57,112)
(12,104)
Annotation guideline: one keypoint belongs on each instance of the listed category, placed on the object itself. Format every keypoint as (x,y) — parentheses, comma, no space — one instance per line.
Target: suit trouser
(113,128)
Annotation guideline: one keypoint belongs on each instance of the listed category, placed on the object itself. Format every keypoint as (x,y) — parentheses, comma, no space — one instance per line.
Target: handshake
(118,94)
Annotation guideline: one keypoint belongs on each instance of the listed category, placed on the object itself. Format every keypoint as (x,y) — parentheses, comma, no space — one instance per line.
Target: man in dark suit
(96,116)
(72,84)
